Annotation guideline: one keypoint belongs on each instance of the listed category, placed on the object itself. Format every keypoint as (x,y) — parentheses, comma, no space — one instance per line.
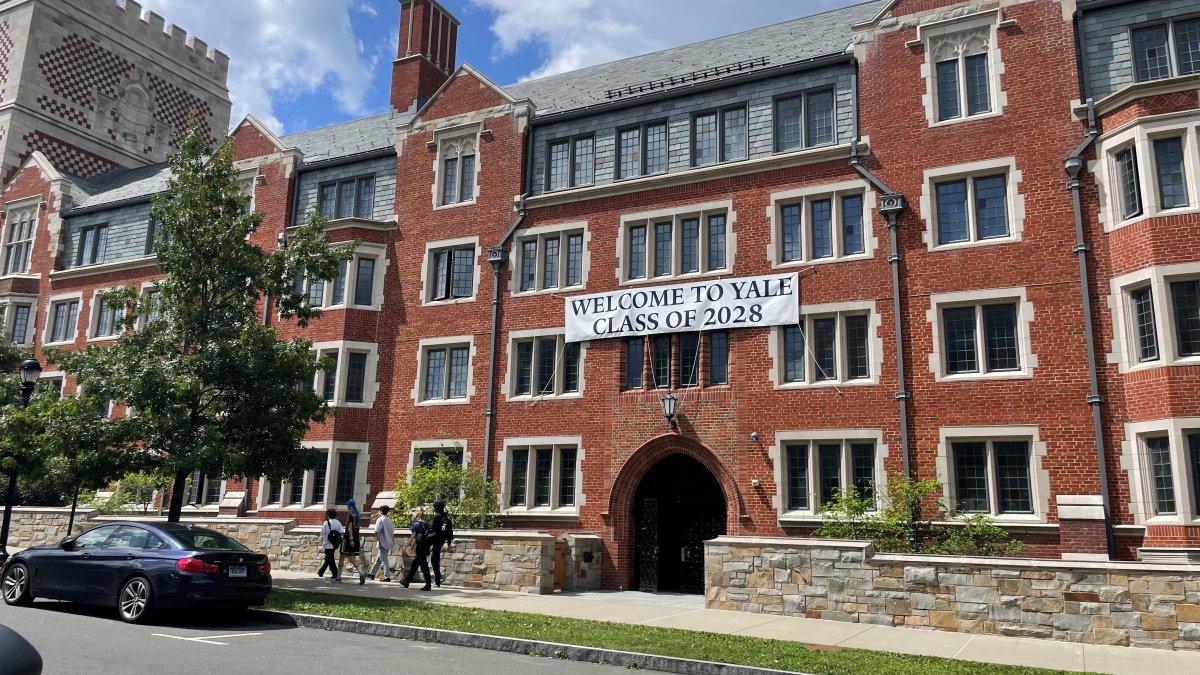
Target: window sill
(536,514)
(21,275)
(828,384)
(343,404)
(1148,213)
(527,398)
(965,118)
(671,278)
(1008,521)
(978,243)
(443,207)
(349,222)
(549,291)
(448,302)
(104,268)
(103,338)
(985,377)
(1176,521)
(60,343)
(792,264)
(440,401)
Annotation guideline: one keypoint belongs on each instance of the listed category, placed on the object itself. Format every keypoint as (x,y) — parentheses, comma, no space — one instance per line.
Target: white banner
(717,304)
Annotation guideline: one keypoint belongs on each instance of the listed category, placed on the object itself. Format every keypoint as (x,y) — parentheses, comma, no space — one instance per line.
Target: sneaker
(335,580)
(404,584)
(425,587)
(362,579)
(387,579)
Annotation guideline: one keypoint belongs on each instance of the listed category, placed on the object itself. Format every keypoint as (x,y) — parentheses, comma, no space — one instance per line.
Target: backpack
(447,532)
(425,536)
(335,537)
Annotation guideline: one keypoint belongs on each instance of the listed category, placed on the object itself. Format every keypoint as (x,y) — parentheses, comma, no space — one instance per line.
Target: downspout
(1073,165)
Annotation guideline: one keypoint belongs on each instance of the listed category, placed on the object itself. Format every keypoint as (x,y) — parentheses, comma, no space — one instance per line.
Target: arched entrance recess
(659,457)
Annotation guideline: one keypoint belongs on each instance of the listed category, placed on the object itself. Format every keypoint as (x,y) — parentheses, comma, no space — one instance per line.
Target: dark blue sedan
(139,568)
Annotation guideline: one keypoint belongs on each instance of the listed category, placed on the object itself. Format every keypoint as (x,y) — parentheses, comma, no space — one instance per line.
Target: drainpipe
(496,257)
(1073,165)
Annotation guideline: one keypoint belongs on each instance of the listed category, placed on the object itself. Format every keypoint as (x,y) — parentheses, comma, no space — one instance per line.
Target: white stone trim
(1158,279)
(1025,317)
(1134,463)
(94,315)
(775,346)
(676,214)
(1014,203)
(510,372)
(447,137)
(778,459)
(332,448)
(1039,477)
(1141,134)
(8,304)
(436,444)
(561,229)
(832,191)
(366,250)
(423,346)
(981,25)
(1080,507)
(34,204)
(432,247)
(48,327)
(542,511)
(370,379)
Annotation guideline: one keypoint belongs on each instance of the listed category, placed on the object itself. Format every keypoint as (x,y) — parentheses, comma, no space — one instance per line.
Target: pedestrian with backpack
(443,535)
(332,533)
(351,547)
(419,539)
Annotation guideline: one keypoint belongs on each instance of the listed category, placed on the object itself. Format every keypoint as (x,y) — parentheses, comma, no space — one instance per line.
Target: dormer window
(1166,49)
(350,198)
(18,238)
(456,170)
(962,68)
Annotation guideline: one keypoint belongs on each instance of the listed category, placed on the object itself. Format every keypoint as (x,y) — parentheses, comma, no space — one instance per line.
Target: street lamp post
(31,370)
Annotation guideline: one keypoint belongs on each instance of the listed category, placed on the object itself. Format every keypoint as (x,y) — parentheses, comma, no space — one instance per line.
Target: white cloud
(579,33)
(281,49)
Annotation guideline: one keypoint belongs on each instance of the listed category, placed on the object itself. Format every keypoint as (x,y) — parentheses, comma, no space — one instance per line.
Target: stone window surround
(370,379)
(10,302)
(1025,317)
(676,213)
(1014,201)
(1039,477)
(419,446)
(48,375)
(778,200)
(247,180)
(775,346)
(423,348)
(94,314)
(48,324)
(206,507)
(777,455)
(542,512)
(331,448)
(1141,134)
(146,288)
(450,136)
(1135,465)
(10,208)
(1158,278)
(432,247)
(510,373)
(364,250)
(541,231)
(933,35)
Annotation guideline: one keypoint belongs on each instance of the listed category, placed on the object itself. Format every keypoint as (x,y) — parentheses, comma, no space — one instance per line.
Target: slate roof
(119,185)
(800,39)
(348,138)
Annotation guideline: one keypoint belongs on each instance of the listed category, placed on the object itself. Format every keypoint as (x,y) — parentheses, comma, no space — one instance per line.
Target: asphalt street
(82,639)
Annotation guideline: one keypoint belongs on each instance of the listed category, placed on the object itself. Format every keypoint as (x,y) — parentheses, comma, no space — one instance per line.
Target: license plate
(237,571)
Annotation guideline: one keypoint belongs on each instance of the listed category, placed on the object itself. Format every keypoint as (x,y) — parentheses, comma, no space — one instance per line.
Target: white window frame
(247,180)
(146,289)
(48,328)
(1135,463)
(1039,477)
(379,253)
(1124,345)
(510,375)
(805,196)
(344,348)
(1140,134)
(542,512)
(428,283)
(676,215)
(331,451)
(450,144)
(990,296)
(440,445)
(960,35)
(777,453)
(839,310)
(203,505)
(423,348)
(8,316)
(1014,203)
(12,212)
(94,310)
(562,231)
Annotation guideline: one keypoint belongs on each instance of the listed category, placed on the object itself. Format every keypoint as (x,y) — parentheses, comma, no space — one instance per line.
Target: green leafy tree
(15,451)
(213,388)
(470,499)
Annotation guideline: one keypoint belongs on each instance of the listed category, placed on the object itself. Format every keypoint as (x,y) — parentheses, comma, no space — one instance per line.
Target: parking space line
(210,639)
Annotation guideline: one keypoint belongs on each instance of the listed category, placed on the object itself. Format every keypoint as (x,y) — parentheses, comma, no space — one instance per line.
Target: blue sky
(300,64)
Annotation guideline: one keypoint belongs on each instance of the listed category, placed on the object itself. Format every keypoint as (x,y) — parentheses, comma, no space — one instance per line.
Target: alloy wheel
(15,582)
(135,596)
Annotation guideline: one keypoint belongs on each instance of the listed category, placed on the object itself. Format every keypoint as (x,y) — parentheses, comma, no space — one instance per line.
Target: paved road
(81,639)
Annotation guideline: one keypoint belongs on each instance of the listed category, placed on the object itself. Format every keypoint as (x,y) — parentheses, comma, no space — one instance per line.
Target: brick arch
(624,488)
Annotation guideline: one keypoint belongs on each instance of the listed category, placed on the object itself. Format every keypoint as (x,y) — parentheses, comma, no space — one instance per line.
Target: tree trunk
(177,496)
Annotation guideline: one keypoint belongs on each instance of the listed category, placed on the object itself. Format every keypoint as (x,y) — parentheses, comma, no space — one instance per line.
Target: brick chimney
(425,52)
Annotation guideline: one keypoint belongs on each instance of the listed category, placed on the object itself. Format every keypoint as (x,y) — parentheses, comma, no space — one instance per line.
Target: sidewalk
(687,612)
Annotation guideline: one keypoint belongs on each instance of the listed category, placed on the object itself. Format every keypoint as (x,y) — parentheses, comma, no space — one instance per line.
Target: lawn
(735,649)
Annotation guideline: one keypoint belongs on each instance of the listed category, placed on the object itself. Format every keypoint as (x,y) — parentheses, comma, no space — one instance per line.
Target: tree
(14,453)
(213,388)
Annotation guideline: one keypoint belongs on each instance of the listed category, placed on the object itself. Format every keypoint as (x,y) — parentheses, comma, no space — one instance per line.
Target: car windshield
(199,539)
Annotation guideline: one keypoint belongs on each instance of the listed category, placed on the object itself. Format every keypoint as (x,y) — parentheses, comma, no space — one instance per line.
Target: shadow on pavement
(199,619)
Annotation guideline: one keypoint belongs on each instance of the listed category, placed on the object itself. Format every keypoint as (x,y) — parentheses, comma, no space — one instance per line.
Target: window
(1163,462)
(675,245)
(347,462)
(64,316)
(1128,188)
(106,321)
(93,241)
(452,273)
(1144,329)
(551,259)
(1185,302)
(350,198)
(719,136)
(340,475)
(821,227)
(20,224)
(827,348)
(445,372)
(572,163)
(992,476)
(634,362)
(1157,316)
(698,353)
(962,68)
(206,490)
(982,334)
(426,453)
(151,236)
(19,328)
(364,280)
(361,275)
(349,377)
(542,474)
(1172,183)
(642,150)
(817,470)
(804,121)
(1166,50)
(971,209)
(457,170)
(1149,169)
(545,365)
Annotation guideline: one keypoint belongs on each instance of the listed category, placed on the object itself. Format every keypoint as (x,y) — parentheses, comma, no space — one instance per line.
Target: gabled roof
(347,138)
(802,39)
(120,185)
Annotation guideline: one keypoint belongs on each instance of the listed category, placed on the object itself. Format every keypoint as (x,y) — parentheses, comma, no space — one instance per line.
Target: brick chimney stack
(425,53)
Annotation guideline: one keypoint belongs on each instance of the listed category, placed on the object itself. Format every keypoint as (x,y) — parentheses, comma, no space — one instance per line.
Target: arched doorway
(678,505)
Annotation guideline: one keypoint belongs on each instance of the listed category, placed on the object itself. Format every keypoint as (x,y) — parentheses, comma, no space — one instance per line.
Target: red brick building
(934,254)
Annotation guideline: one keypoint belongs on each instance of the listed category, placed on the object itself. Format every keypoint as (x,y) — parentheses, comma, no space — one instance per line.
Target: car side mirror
(67,543)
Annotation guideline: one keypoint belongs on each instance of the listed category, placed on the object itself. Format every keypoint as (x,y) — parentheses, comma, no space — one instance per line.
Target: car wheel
(135,602)
(15,586)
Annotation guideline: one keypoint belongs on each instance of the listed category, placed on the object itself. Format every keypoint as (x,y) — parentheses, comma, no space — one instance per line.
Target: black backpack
(446,532)
(335,537)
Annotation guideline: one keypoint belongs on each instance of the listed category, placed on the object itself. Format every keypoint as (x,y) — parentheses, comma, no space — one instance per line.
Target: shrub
(470,499)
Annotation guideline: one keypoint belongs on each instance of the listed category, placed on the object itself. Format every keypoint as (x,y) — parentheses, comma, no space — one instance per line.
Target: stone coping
(778,542)
(215,520)
(55,510)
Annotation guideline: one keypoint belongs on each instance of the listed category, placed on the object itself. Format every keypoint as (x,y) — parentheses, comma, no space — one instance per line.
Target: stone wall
(36,526)
(1115,603)
(502,560)
(583,557)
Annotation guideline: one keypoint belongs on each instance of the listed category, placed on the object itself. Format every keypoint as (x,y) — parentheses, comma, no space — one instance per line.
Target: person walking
(385,539)
(332,533)
(419,539)
(351,547)
(443,535)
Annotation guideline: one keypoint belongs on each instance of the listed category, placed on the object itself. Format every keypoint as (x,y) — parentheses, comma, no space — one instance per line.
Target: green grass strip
(686,644)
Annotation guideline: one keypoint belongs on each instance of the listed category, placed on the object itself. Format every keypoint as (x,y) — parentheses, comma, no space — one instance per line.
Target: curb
(631,660)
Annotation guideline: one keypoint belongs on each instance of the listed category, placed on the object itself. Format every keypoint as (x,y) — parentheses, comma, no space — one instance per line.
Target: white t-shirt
(385,532)
(336,526)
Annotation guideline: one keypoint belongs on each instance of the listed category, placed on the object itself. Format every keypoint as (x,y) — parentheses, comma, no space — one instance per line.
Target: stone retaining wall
(1114,603)
(502,560)
(38,526)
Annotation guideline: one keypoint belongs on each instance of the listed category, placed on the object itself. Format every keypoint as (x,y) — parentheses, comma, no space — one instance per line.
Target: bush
(908,517)
(470,500)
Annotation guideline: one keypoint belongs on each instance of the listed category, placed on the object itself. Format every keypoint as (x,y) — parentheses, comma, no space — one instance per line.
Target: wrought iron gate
(647,545)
